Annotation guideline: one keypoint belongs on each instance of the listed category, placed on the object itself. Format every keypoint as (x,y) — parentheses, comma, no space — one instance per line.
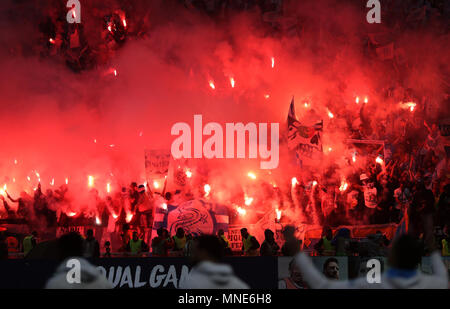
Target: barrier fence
(166,273)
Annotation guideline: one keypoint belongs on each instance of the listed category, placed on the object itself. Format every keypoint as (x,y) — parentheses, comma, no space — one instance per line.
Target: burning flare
(248,200)
(241,211)
(278,213)
(90,181)
(344,185)
(207,189)
(232,82)
(251,175)
(379,160)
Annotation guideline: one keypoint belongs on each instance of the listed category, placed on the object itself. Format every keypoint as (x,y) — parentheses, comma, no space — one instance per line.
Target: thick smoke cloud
(51,116)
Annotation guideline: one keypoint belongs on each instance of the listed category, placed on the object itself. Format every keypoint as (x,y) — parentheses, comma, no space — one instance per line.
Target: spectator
(91,248)
(421,214)
(295,280)
(403,273)
(136,245)
(324,245)
(250,245)
(71,248)
(208,272)
(107,253)
(269,246)
(179,240)
(331,268)
(160,244)
(291,244)
(225,242)
(187,250)
(29,242)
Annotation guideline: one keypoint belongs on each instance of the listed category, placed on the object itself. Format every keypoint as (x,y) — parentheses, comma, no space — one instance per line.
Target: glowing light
(129,217)
(52,182)
(354,157)
(294,181)
(14,179)
(330,149)
(344,185)
(155,184)
(3,190)
(306,104)
(379,160)
(164,206)
(330,114)
(248,200)
(71,214)
(241,211)
(357,100)
(366,100)
(15,161)
(314,183)
(28,177)
(37,175)
(51,41)
(232,82)
(67,181)
(95,141)
(115,72)
(109,28)
(411,108)
(112,145)
(278,213)
(251,175)
(115,216)
(207,189)
(273,62)
(90,181)
(124,22)
(188,174)
(108,187)
(267,96)
(211,84)
(97,221)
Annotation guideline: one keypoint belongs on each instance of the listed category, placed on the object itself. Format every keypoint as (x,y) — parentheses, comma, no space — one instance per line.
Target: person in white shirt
(402,272)
(208,272)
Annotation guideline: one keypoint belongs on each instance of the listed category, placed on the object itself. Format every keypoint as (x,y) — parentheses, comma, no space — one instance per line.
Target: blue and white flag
(196,217)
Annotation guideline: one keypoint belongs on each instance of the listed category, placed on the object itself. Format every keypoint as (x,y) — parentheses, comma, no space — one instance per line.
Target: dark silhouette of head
(288,231)
(180,232)
(168,196)
(244,232)
(406,253)
(70,245)
(90,234)
(159,232)
(268,234)
(207,248)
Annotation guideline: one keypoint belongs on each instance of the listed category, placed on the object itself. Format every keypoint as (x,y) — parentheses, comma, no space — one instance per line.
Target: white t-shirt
(370,197)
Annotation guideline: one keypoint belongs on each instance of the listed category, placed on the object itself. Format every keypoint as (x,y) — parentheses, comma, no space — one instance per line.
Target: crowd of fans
(411,183)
